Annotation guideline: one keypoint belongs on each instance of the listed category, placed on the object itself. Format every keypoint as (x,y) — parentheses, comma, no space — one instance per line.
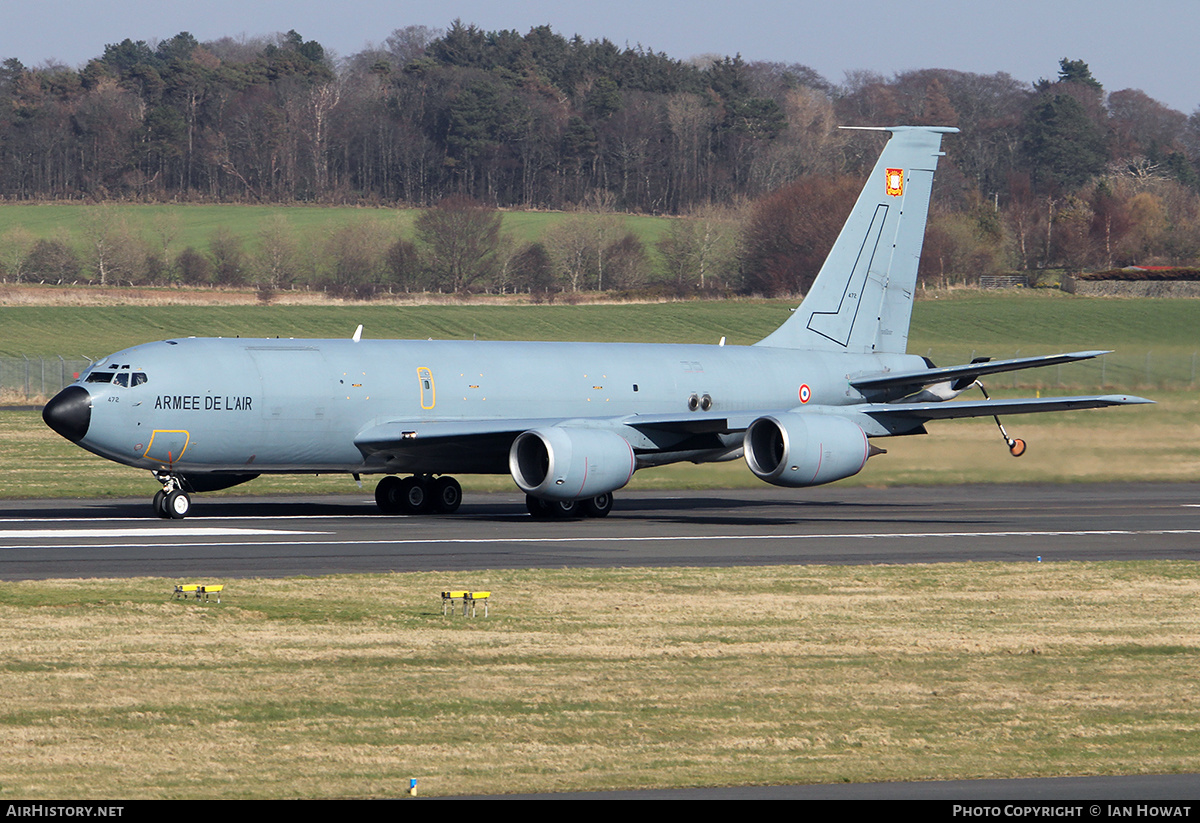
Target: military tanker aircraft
(571,422)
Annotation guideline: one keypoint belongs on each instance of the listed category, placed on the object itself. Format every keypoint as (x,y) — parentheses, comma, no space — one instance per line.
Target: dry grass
(348,686)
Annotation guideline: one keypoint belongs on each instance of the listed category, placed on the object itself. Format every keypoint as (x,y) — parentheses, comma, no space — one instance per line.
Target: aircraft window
(139,377)
(121,380)
(100,377)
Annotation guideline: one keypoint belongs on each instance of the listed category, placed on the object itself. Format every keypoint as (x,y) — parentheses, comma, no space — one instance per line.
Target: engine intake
(805,449)
(559,463)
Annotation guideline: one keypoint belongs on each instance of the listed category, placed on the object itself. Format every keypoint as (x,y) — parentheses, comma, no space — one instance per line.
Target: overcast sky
(1149,45)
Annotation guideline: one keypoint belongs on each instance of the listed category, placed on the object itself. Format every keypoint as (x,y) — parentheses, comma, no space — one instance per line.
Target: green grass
(1001,323)
(100,330)
(196,223)
(589,679)
(1022,318)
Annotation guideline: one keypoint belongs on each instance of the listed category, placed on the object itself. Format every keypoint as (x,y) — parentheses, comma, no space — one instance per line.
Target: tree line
(1057,173)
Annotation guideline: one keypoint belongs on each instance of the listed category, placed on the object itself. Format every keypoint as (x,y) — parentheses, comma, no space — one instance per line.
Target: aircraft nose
(69,413)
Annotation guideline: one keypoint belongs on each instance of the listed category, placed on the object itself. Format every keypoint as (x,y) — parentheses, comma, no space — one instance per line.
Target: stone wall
(1131,288)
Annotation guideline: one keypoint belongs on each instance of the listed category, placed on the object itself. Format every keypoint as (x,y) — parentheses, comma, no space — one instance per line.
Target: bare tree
(15,246)
(114,252)
(274,262)
(409,43)
(790,232)
(461,240)
(571,244)
(356,256)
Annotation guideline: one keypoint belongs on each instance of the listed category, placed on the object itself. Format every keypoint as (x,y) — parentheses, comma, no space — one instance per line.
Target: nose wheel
(171,502)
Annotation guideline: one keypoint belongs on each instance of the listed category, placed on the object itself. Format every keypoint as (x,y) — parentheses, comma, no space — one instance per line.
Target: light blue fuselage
(260,406)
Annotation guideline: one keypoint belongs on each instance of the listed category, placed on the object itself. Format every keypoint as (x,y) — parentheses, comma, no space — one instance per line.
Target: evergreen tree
(1061,143)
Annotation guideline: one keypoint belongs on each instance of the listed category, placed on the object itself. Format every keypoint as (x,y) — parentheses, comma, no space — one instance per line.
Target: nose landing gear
(171,502)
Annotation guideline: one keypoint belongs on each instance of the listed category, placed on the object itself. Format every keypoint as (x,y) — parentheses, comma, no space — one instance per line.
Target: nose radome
(69,413)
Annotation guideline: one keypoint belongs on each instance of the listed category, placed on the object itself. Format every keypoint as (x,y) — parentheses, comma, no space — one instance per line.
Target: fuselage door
(167,446)
(425,379)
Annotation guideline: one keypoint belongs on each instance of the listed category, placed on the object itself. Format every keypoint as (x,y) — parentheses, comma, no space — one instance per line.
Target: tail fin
(861,300)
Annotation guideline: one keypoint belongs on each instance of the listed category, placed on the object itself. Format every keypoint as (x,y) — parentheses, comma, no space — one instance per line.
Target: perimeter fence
(36,379)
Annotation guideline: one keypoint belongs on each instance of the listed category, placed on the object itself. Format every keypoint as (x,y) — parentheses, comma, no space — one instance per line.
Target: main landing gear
(171,502)
(424,494)
(419,494)
(540,509)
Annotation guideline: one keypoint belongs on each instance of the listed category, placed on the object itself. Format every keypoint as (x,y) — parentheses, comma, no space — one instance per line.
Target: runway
(274,537)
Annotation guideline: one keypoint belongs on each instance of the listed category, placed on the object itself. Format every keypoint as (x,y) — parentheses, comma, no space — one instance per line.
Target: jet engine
(805,449)
(559,463)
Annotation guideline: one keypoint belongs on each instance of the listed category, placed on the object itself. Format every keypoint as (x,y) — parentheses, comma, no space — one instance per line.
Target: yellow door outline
(171,459)
(428,393)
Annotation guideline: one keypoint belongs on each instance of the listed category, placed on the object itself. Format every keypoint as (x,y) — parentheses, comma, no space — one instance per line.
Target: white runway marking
(595,539)
(28,534)
(145,519)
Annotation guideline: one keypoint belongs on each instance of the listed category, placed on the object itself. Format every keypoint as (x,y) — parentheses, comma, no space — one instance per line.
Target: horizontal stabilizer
(928,377)
(984,408)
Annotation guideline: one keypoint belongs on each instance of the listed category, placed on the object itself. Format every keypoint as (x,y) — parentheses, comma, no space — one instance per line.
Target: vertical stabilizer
(861,301)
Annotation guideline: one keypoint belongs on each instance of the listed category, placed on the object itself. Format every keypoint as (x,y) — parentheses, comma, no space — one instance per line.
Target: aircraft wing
(459,445)
(482,446)
(950,410)
(964,375)
(468,436)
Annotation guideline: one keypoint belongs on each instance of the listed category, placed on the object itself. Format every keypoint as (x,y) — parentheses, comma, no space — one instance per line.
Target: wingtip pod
(897,129)
(1127,400)
(861,300)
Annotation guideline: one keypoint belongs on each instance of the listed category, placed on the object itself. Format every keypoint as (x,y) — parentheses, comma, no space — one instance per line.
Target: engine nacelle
(805,449)
(559,463)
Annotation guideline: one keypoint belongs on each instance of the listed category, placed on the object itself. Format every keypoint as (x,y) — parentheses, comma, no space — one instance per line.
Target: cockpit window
(121,379)
(100,377)
(139,377)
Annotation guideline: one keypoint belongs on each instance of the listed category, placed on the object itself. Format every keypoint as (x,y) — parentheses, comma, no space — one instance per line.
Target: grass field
(951,322)
(586,679)
(194,224)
